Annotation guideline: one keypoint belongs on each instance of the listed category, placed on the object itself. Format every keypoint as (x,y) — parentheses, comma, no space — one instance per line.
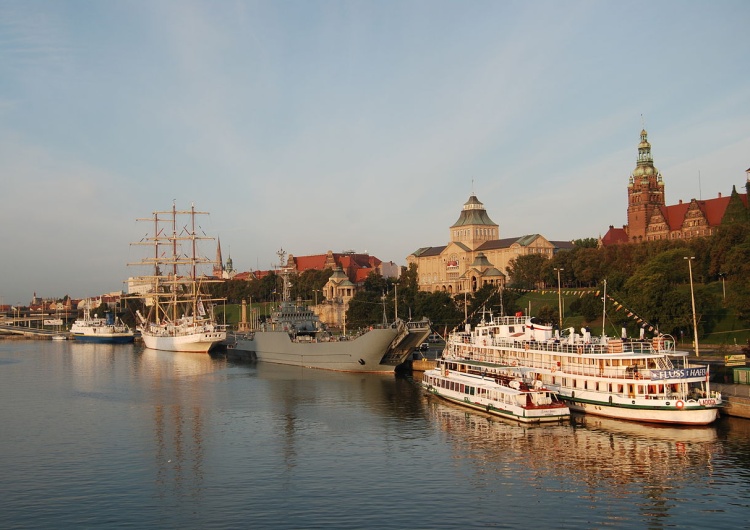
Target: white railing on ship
(637,347)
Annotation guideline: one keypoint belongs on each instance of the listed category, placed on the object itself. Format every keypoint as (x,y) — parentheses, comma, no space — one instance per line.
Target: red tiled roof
(304,263)
(361,275)
(674,215)
(713,210)
(615,236)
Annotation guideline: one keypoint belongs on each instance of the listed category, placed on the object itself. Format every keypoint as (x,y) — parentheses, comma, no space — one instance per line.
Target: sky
(348,125)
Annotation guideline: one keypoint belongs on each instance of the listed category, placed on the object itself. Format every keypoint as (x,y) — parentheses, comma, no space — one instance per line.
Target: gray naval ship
(295,336)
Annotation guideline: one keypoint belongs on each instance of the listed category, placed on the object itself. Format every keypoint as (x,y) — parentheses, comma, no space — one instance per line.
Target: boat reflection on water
(611,457)
(391,397)
(183,404)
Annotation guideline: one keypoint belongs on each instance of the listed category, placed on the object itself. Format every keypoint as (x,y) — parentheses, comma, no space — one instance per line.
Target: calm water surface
(120,436)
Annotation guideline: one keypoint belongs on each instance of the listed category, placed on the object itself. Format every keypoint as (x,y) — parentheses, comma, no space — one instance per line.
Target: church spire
(219,263)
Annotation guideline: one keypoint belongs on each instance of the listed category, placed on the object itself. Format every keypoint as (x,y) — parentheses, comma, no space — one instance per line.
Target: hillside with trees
(651,280)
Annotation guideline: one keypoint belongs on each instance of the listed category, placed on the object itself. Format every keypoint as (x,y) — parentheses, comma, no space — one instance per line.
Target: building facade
(649,217)
(475,256)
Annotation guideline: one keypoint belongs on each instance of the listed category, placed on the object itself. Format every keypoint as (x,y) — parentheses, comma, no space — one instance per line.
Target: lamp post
(316,291)
(559,297)
(692,298)
(723,275)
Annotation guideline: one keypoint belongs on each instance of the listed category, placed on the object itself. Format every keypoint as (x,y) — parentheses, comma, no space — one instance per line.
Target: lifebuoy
(579,350)
(679,404)
(513,363)
(526,347)
(554,369)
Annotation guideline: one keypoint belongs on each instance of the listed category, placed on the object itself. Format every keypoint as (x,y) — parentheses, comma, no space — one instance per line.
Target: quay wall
(737,399)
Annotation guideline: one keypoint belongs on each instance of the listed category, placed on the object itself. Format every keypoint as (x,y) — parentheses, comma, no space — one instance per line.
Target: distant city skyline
(317,126)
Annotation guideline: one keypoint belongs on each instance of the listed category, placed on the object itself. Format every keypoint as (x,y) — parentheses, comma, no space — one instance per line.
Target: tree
(587,266)
(528,271)
(589,242)
(440,308)
(588,306)
(408,286)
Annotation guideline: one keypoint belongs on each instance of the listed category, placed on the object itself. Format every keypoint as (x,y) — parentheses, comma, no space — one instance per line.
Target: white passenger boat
(107,330)
(641,380)
(502,393)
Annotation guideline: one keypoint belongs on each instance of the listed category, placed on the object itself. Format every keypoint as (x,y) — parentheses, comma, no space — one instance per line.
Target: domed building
(475,256)
(650,219)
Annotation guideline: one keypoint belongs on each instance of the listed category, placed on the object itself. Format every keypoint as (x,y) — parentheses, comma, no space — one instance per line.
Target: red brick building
(650,219)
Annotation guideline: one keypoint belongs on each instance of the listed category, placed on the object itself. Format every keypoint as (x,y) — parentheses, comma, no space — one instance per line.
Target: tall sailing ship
(179,314)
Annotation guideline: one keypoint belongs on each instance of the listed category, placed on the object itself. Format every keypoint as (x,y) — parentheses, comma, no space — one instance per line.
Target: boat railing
(560,346)
(418,324)
(633,372)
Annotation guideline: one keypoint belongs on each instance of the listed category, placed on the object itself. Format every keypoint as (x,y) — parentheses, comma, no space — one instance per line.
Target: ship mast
(181,288)
(286,289)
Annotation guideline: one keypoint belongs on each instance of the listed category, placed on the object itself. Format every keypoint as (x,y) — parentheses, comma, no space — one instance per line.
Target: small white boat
(501,394)
(108,330)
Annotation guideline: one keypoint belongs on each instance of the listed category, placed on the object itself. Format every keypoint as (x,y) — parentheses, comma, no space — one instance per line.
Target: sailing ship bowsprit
(179,314)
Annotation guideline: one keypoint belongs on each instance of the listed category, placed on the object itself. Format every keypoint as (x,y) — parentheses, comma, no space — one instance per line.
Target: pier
(14,326)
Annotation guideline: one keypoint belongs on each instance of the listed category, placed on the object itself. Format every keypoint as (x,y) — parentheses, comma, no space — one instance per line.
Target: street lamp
(692,298)
(723,275)
(559,296)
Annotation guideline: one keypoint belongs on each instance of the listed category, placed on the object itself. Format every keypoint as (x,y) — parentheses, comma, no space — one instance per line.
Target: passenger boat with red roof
(504,393)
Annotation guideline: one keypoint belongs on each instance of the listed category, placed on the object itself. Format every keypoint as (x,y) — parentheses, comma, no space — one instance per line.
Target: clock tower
(645,192)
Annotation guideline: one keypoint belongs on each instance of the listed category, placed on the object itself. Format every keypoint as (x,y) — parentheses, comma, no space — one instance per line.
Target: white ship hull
(366,353)
(200,342)
(688,413)
(487,395)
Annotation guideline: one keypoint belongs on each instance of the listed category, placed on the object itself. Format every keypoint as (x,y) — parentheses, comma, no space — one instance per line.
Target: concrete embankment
(736,398)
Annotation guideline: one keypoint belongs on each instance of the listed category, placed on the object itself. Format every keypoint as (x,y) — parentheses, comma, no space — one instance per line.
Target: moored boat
(180,314)
(641,380)
(294,335)
(107,330)
(506,395)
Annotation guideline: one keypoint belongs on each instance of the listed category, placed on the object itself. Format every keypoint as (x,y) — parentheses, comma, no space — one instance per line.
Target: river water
(95,436)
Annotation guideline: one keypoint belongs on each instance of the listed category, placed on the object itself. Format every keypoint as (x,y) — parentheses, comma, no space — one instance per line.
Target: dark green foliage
(528,271)
(588,306)
(653,278)
(548,315)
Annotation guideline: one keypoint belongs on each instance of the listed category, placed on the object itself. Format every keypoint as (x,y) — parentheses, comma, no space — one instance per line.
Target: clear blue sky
(337,125)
